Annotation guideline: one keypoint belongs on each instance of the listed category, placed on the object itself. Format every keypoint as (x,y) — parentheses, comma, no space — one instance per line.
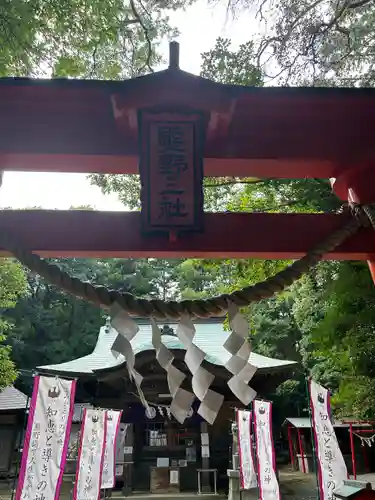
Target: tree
(52,326)
(223,65)
(318,42)
(12,287)
(82,38)
(341,334)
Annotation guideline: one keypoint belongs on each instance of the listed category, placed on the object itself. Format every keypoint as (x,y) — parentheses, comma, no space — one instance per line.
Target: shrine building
(155,442)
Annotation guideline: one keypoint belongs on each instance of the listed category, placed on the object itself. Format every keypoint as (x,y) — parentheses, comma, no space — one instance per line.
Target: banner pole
(315,460)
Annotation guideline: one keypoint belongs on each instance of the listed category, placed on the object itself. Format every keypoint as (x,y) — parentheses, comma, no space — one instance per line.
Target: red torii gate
(93,126)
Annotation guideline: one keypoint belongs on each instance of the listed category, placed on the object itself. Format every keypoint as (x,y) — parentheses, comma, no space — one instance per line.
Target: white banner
(47,438)
(267,478)
(245,450)
(90,455)
(332,468)
(109,464)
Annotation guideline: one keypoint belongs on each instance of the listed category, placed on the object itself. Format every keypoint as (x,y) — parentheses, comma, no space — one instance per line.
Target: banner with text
(267,478)
(90,455)
(47,438)
(245,450)
(331,465)
(109,465)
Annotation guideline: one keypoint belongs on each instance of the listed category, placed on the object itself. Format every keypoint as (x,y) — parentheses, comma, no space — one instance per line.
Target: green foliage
(81,38)
(223,65)
(51,326)
(13,286)
(321,42)
(345,336)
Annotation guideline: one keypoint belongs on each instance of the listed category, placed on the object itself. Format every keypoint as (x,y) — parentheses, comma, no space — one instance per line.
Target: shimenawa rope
(216,306)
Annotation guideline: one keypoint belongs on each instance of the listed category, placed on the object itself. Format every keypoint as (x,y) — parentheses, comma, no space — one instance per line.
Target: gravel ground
(297,486)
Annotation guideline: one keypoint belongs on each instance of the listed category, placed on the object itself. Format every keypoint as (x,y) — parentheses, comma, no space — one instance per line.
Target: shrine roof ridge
(210,337)
(12,399)
(180,76)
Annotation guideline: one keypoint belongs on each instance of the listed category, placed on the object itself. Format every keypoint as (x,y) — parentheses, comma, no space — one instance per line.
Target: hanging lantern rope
(201,308)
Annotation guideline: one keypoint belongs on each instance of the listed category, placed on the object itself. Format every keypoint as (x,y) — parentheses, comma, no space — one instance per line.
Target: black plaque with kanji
(171,169)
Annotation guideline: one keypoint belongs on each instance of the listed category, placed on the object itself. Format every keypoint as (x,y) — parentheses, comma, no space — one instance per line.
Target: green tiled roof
(209,336)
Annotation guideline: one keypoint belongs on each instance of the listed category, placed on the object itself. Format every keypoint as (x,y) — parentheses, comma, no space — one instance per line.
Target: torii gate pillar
(356,185)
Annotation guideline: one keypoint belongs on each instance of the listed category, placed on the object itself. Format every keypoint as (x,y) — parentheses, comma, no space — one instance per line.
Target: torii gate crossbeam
(94,126)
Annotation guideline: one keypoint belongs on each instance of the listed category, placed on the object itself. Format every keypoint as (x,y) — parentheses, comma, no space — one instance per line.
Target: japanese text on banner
(267,479)
(90,455)
(331,462)
(46,441)
(109,464)
(245,448)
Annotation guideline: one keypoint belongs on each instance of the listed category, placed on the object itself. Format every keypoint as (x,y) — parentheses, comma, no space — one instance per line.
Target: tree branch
(360,3)
(147,36)
(235,182)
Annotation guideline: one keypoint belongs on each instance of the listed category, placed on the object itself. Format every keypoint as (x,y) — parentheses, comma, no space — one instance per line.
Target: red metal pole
(301,451)
(291,446)
(352,451)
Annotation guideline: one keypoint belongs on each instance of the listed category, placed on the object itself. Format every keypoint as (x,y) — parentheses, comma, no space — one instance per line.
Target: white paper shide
(211,401)
(90,455)
(239,347)
(332,468)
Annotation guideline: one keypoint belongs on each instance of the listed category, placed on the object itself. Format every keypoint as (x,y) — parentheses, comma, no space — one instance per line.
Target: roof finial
(174,55)
(107,324)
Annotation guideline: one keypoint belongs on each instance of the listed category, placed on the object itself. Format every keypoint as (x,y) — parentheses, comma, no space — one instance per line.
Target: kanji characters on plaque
(171,170)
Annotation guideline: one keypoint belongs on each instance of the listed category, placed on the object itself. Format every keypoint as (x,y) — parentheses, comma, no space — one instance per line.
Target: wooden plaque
(171,170)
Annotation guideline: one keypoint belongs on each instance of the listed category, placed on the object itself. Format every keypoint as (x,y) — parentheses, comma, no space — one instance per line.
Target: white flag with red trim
(248,475)
(332,469)
(267,478)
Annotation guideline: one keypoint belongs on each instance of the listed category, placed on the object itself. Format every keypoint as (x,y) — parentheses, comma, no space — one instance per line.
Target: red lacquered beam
(91,126)
(119,234)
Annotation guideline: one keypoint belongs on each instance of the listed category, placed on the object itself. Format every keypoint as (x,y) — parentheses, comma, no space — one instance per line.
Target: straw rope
(203,308)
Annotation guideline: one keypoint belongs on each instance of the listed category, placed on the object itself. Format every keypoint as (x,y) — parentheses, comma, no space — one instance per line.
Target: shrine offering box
(165,480)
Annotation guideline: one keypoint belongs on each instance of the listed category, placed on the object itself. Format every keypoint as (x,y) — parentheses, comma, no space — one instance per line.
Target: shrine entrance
(173,129)
(158,448)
